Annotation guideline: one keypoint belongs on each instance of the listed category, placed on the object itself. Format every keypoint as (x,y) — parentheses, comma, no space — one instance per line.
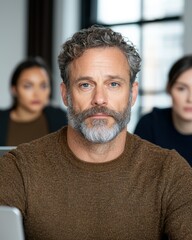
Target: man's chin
(99,123)
(98,128)
(99,134)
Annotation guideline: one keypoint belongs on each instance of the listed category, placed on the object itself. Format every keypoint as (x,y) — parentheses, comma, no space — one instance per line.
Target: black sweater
(157,127)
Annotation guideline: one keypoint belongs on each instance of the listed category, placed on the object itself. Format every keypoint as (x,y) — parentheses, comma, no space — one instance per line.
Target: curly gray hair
(94,37)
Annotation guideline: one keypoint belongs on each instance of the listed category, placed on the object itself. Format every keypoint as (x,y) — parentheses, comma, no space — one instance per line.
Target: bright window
(118,11)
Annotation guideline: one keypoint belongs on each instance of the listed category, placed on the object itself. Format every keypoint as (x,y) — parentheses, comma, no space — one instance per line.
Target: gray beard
(99,132)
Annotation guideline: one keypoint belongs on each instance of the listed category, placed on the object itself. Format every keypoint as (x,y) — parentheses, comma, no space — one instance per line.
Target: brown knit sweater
(143,194)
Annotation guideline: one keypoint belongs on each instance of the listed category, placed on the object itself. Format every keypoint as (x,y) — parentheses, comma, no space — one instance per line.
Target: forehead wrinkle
(103,67)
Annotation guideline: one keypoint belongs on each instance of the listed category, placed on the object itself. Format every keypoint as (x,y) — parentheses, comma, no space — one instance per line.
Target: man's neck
(92,152)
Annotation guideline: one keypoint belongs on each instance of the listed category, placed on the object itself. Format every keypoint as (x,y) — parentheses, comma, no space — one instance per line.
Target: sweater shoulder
(150,153)
(46,145)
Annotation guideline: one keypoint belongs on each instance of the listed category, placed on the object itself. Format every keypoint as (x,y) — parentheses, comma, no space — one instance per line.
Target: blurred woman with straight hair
(172,127)
(30,115)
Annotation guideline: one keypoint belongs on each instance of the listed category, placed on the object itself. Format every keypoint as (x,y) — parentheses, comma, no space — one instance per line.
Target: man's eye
(114,84)
(85,85)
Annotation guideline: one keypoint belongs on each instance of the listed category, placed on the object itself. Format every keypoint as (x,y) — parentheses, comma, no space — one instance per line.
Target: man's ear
(63,90)
(134,91)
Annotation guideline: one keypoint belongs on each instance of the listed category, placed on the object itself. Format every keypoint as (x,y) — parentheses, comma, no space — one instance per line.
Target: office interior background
(160,29)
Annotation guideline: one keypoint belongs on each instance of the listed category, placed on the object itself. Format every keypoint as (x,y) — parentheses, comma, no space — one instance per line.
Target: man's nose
(99,96)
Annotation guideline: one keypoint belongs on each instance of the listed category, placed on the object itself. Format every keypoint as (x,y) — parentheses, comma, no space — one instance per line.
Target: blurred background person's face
(181,94)
(32,90)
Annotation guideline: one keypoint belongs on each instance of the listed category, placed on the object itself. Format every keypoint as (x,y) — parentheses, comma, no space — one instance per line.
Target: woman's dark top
(55,117)
(21,132)
(157,127)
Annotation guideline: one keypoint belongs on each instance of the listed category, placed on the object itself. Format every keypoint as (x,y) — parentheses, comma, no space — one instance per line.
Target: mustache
(94,110)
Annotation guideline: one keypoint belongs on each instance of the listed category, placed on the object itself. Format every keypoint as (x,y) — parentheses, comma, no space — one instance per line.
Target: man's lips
(99,115)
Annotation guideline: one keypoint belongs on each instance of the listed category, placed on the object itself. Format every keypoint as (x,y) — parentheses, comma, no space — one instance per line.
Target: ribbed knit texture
(145,192)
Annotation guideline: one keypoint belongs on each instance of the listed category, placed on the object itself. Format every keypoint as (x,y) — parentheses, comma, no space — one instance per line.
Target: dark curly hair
(94,37)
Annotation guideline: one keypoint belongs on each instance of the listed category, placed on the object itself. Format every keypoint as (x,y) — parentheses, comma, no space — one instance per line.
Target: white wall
(12,43)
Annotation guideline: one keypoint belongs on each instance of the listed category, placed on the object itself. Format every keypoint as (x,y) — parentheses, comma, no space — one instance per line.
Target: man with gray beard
(99,133)
(93,180)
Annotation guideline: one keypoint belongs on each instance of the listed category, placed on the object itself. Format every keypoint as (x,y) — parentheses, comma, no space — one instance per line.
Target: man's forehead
(110,61)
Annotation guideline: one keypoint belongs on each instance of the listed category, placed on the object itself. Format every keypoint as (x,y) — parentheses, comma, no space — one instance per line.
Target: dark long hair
(180,66)
(26,64)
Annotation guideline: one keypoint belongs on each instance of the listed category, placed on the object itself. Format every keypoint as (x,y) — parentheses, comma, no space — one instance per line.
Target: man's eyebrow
(111,77)
(83,78)
(115,77)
